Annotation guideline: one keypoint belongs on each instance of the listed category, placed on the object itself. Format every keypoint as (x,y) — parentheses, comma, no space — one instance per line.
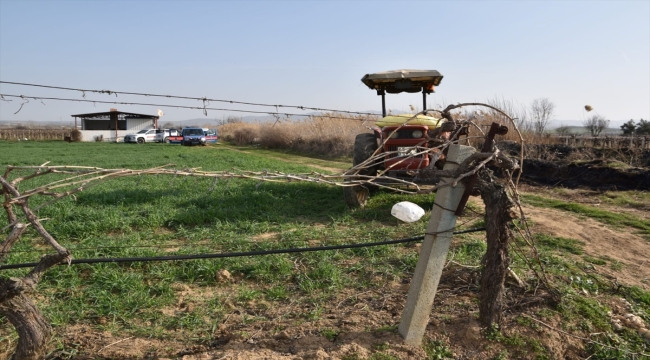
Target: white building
(113,125)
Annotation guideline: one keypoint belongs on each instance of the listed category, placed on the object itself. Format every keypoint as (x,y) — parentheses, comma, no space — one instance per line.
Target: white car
(141,136)
(162,135)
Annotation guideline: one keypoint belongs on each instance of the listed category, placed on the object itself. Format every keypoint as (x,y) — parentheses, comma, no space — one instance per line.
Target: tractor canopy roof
(397,81)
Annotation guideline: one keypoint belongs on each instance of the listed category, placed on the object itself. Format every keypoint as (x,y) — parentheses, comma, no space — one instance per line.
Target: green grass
(579,312)
(340,164)
(158,215)
(635,199)
(437,350)
(552,242)
(330,334)
(162,215)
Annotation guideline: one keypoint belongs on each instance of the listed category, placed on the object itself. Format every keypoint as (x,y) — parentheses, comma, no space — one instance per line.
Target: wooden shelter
(114,120)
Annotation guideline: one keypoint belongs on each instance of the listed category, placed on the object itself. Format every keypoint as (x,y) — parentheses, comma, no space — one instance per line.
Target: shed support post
(433,253)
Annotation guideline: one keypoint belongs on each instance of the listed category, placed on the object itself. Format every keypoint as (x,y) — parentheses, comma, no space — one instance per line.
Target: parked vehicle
(141,137)
(211,135)
(162,135)
(195,136)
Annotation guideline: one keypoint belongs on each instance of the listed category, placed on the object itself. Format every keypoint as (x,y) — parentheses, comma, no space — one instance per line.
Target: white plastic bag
(407,211)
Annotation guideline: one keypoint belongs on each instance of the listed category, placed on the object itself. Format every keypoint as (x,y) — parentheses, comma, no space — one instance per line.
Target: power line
(237,254)
(40,98)
(204,99)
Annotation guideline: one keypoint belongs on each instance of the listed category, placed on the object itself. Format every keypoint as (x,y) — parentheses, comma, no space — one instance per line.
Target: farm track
(326,165)
(622,245)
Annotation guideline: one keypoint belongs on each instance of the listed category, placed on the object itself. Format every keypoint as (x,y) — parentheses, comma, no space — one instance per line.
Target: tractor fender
(378,134)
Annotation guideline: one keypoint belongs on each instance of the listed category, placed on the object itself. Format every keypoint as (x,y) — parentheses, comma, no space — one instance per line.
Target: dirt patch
(594,198)
(621,245)
(92,344)
(266,236)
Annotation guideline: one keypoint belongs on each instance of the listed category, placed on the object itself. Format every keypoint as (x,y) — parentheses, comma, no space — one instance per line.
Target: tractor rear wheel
(364,146)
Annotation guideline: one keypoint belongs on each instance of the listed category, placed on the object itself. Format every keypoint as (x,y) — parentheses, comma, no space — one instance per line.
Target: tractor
(398,146)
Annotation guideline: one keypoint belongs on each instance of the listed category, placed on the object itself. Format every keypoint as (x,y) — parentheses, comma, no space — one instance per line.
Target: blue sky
(314,53)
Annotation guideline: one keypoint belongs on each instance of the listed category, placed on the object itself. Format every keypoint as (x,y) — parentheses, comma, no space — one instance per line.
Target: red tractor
(400,145)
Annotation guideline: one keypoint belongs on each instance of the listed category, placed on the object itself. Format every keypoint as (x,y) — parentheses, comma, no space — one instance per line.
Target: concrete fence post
(433,253)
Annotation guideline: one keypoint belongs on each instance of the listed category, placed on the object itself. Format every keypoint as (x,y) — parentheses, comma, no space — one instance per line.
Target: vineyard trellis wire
(202,108)
(203,99)
(240,254)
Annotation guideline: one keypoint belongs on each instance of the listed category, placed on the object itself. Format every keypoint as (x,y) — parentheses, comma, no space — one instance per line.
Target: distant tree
(595,124)
(230,119)
(643,127)
(541,111)
(563,130)
(629,127)
(168,125)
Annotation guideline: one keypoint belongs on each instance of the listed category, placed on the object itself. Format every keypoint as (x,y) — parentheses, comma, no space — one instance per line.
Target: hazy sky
(314,53)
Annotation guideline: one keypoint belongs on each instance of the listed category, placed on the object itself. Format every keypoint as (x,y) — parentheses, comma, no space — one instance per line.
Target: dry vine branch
(33,330)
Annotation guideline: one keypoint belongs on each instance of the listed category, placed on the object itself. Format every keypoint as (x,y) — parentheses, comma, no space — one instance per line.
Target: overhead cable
(204,99)
(204,108)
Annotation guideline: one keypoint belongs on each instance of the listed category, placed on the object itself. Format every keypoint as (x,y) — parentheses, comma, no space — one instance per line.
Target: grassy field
(192,303)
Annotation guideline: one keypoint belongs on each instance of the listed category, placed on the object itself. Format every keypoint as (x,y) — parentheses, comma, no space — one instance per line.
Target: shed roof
(106,114)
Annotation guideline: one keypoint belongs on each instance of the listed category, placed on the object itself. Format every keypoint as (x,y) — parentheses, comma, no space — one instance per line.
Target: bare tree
(230,119)
(595,124)
(168,125)
(515,109)
(541,112)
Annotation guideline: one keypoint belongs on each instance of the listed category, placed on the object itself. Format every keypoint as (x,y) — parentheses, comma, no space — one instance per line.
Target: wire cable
(204,108)
(204,99)
(225,243)
(237,254)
